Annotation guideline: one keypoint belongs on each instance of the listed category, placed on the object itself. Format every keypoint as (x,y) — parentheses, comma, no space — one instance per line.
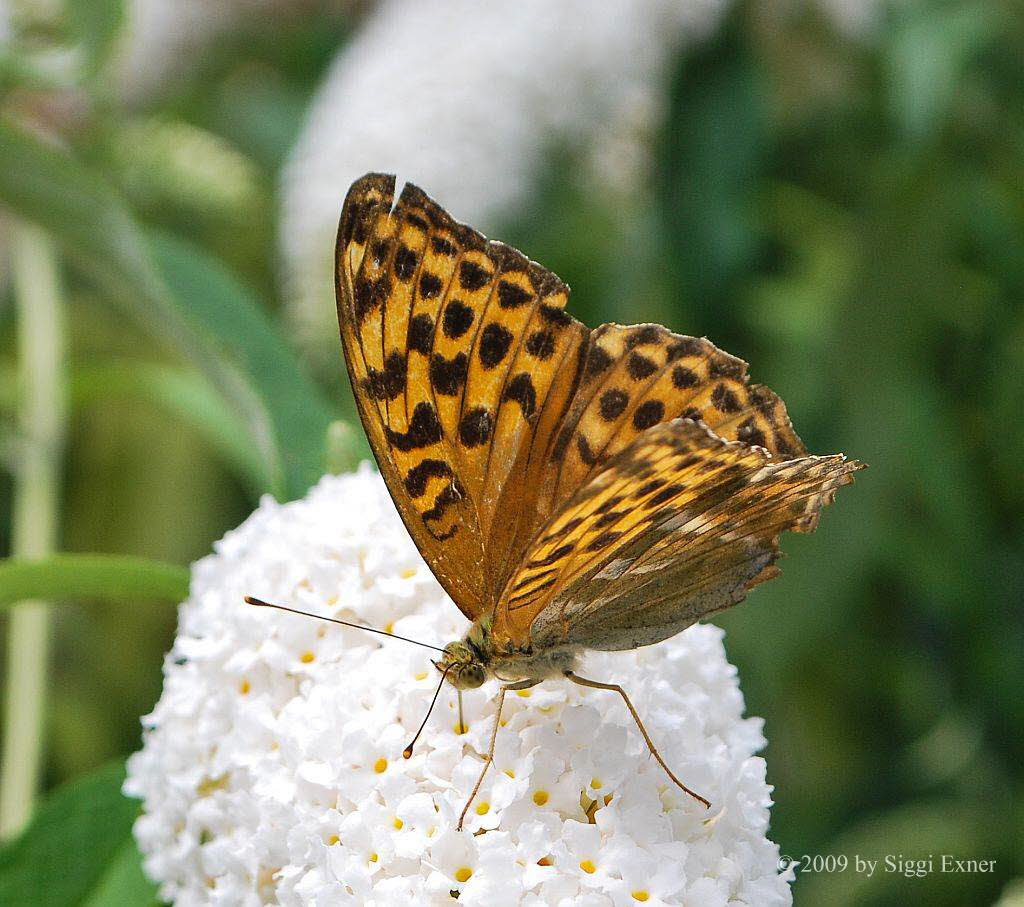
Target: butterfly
(570,488)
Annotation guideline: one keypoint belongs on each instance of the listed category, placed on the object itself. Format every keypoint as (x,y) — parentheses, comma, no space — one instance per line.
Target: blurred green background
(844,211)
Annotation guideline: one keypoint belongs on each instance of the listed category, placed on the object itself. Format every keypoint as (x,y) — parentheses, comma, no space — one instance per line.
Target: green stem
(34,521)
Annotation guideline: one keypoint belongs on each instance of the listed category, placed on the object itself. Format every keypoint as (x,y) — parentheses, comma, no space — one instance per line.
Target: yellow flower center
(421,675)
(244,687)
(588,867)
(398,823)
(482,809)
(380,766)
(523,694)
(596,784)
(540,797)
(408,573)
(332,840)
(463,874)
(306,657)
(510,773)
(641,896)
(374,858)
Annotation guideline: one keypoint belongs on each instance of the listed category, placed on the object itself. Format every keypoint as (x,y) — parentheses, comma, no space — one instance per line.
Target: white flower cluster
(272,768)
(465,99)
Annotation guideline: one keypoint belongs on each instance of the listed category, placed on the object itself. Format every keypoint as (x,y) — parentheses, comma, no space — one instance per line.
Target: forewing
(676,526)
(463,364)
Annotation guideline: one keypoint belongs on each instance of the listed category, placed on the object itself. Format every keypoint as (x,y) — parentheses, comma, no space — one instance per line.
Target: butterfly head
(462,666)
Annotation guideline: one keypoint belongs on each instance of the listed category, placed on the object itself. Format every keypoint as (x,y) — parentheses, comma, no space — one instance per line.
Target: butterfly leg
(615,688)
(519,685)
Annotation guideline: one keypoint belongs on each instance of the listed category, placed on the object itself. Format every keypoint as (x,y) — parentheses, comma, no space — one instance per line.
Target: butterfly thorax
(479,656)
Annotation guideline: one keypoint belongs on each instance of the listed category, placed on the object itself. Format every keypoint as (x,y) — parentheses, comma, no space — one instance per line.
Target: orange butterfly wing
(462,362)
(499,423)
(678,525)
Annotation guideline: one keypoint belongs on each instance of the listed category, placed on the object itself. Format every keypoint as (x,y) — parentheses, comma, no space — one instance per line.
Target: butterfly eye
(471,677)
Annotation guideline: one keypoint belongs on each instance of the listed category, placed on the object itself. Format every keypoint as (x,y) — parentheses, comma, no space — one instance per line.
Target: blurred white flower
(163,39)
(272,771)
(464,99)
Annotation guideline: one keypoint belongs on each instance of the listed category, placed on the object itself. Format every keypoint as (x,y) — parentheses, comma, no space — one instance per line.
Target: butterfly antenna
(407,752)
(334,620)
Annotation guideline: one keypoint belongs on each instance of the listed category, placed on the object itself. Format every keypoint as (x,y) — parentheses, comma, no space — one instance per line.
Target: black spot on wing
(686,346)
(647,489)
(475,427)
(369,294)
(604,540)
(666,494)
(512,296)
(495,340)
(725,367)
(724,399)
(421,333)
(405,262)
(446,497)
(430,285)
(587,455)
(442,246)
(612,404)
(458,318)
(554,315)
(380,251)
(749,433)
(646,333)
(574,523)
(598,361)
(521,389)
(648,414)
(472,277)
(683,377)
(424,430)
(553,557)
(640,367)
(389,383)
(417,477)
(540,344)
(448,376)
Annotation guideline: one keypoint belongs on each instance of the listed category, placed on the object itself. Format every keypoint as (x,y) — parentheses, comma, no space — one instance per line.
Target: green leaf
(183,394)
(76,576)
(97,231)
(78,848)
(711,160)
(95,24)
(191,303)
(927,55)
(301,414)
(123,884)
